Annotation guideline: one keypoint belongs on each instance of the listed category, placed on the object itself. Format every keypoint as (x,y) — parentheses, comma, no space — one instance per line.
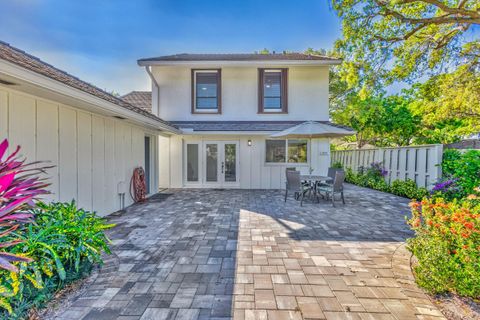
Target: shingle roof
(141,99)
(241,57)
(32,63)
(242,125)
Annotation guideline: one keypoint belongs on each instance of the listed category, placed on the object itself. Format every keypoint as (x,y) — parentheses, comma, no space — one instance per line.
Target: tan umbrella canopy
(311,130)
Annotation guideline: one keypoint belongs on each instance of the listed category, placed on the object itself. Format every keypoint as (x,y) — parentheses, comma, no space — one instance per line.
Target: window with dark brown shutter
(272,91)
(206,91)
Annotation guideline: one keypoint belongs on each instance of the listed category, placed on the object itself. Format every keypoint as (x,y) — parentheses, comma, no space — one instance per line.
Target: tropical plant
(64,243)
(19,187)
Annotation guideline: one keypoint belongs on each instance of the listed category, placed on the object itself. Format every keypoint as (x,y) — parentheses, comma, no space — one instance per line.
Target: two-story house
(227,106)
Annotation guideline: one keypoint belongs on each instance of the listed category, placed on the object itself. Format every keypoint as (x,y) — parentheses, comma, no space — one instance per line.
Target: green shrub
(464,168)
(447,245)
(64,243)
(408,189)
(374,178)
(337,165)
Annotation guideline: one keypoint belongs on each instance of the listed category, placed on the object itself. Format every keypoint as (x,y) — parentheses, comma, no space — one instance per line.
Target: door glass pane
(192,162)
(230,162)
(147,163)
(212,162)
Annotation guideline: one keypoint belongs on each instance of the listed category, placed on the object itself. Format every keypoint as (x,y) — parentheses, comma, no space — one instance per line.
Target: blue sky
(100,41)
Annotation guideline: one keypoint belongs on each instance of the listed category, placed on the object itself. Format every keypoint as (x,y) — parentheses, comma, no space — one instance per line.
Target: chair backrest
(331,172)
(338,181)
(293,180)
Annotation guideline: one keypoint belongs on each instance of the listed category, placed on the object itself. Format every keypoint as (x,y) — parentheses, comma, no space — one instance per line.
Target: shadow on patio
(245,253)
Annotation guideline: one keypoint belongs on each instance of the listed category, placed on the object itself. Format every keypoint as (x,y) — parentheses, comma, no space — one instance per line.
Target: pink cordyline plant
(19,187)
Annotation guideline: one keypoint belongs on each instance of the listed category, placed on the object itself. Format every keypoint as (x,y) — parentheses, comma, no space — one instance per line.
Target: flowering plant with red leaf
(20,185)
(447,244)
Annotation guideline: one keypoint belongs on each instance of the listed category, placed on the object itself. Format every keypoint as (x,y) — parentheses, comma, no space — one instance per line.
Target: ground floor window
(282,151)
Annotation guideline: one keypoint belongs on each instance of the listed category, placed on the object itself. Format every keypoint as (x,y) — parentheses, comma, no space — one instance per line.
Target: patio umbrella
(310,130)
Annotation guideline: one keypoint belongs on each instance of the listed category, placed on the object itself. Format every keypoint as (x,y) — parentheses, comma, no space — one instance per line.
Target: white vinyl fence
(421,164)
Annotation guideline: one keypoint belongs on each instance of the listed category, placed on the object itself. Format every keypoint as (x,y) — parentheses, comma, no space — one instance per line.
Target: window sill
(206,112)
(272,112)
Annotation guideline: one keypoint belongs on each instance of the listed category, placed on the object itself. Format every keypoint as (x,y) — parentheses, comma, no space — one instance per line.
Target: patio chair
(331,174)
(334,188)
(295,184)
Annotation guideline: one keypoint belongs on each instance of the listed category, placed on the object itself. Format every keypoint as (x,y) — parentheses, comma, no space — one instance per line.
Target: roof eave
(149,62)
(47,83)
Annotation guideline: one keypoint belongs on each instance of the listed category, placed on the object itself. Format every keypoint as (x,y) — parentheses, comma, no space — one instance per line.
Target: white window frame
(212,110)
(276,110)
(299,164)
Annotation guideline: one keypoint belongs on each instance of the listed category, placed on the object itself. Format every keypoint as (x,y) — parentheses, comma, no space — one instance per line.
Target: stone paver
(245,254)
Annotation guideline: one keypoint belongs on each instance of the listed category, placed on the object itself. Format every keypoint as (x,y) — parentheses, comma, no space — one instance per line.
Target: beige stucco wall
(307,94)
(91,153)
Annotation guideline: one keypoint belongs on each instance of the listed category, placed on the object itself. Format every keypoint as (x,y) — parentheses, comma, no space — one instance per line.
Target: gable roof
(240,57)
(141,99)
(34,64)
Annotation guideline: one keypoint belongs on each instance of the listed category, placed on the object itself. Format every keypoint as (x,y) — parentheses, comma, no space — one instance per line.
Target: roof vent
(7,83)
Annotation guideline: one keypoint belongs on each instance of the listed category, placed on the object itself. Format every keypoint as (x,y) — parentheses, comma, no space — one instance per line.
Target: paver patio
(245,254)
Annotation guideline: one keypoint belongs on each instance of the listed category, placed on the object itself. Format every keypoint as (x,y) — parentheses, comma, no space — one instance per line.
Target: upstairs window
(272,91)
(206,91)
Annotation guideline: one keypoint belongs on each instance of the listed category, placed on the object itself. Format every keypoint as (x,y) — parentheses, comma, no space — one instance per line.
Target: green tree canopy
(392,40)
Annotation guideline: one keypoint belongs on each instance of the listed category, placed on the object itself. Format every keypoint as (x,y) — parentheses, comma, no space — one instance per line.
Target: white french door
(220,163)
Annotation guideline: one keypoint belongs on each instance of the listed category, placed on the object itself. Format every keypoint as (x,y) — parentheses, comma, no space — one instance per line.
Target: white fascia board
(242,63)
(44,82)
(188,132)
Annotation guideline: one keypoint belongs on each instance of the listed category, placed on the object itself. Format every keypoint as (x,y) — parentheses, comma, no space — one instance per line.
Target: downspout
(156,94)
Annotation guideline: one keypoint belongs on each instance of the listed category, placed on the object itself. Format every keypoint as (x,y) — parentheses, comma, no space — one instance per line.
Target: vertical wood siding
(253,172)
(91,153)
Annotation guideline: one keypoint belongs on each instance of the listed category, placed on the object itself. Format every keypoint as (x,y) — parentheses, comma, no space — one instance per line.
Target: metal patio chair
(295,185)
(334,188)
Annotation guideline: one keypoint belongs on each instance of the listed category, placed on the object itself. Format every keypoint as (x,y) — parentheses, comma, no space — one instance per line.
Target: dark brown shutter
(285,90)
(261,72)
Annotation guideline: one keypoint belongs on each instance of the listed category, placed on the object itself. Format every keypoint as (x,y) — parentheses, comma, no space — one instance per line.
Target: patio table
(309,177)
(312,180)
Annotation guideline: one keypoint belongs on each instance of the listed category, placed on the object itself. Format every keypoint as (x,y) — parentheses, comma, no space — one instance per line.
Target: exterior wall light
(249,142)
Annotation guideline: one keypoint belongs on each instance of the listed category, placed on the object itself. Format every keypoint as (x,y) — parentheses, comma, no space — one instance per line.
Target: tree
(380,120)
(449,105)
(388,40)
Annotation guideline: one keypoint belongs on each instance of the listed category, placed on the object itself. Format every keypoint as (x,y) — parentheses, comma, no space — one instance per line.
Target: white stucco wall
(307,94)
(91,153)
(253,172)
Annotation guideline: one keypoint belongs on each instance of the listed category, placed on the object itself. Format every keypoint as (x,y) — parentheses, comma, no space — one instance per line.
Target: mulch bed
(455,307)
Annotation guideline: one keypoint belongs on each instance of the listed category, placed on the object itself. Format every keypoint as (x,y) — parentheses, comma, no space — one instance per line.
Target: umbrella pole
(310,160)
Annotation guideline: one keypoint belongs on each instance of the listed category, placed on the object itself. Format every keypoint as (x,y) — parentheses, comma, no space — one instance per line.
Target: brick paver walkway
(243,254)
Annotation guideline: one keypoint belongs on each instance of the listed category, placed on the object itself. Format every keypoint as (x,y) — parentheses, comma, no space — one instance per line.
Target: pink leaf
(6,181)
(17,216)
(13,205)
(4,264)
(3,148)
